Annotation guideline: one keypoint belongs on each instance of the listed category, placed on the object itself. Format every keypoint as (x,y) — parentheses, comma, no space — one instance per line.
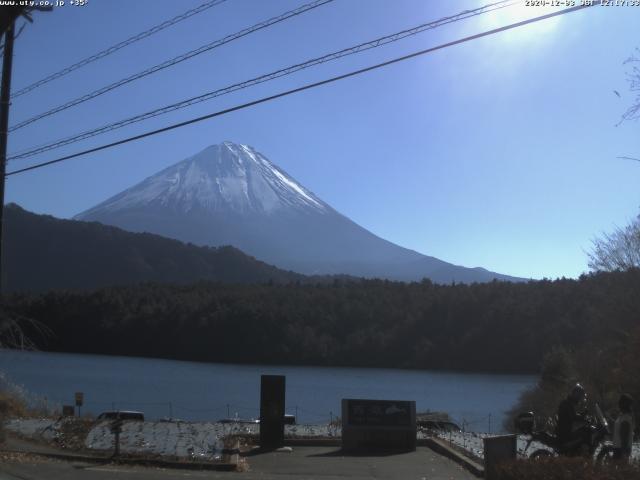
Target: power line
(118,46)
(303,88)
(378,42)
(173,61)
(629,158)
(263,78)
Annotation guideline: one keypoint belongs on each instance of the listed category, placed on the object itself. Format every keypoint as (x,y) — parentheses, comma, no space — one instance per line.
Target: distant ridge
(230,194)
(44,253)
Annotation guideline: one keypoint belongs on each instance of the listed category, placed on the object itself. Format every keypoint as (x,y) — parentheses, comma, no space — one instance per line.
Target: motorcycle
(592,440)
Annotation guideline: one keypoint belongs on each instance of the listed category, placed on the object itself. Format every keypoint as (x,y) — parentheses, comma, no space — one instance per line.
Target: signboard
(272,398)
(378,425)
(79,399)
(379,412)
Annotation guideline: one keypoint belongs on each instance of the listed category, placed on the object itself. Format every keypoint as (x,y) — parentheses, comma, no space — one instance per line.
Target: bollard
(496,451)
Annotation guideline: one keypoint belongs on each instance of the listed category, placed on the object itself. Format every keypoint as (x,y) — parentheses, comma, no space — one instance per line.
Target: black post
(116,429)
(5,99)
(272,400)
(117,450)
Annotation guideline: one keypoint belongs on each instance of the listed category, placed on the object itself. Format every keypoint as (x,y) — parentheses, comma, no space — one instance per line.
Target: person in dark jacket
(623,429)
(571,429)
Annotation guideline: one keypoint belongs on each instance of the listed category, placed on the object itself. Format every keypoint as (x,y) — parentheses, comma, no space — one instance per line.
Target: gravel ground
(204,440)
(37,428)
(199,440)
(472,442)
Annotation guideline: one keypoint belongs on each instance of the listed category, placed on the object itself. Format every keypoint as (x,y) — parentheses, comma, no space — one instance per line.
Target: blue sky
(499,153)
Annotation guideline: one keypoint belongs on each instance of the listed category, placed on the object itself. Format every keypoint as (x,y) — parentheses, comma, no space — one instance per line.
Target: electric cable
(302,88)
(114,48)
(378,42)
(171,62)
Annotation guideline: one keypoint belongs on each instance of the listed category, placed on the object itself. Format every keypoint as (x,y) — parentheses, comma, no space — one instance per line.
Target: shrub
(566,469)
(12,403)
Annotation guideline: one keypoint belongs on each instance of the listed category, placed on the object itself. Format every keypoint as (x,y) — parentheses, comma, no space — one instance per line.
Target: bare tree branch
(13,327)
(619,250)
(633,77)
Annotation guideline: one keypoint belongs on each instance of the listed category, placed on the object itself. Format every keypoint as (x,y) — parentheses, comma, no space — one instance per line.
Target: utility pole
(5,100)
(8,17)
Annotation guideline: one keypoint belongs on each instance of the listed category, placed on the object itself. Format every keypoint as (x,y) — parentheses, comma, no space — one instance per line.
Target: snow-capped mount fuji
(230,194)
(225,178)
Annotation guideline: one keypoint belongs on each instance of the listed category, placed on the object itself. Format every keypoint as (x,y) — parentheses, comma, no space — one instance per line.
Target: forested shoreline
(492,327)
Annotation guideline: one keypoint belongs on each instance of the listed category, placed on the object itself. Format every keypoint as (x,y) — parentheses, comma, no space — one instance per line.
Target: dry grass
(567,469)
(22,457)
(11,405)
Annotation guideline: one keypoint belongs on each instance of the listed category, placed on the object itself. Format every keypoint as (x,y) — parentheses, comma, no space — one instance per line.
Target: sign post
(79,401)
(116,429)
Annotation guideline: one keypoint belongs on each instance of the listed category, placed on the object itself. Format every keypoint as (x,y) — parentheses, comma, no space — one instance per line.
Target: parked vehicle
(288,420)
(239,420)
(439,421)
(122,415)
(440,425)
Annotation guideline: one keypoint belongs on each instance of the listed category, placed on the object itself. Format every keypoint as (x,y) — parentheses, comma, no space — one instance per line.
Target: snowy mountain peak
(221,178)
(230,194)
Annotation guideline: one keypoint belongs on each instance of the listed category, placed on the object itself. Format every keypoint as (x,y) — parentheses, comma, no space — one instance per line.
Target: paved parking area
(329,462)
(326,463)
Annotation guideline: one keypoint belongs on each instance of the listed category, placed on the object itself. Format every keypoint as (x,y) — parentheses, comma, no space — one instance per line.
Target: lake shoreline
(209,392)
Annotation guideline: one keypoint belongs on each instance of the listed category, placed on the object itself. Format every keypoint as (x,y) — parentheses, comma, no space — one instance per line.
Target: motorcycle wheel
(605,456)
(541,454)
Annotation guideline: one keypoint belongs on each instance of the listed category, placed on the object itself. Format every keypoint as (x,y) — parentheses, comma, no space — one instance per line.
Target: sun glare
(518,12)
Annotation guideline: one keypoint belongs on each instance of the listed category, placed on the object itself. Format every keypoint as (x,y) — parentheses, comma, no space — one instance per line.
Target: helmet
(578,393)
(525,423)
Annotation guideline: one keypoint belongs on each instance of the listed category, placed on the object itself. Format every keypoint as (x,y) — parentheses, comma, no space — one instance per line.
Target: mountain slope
(231,194)
(42,253)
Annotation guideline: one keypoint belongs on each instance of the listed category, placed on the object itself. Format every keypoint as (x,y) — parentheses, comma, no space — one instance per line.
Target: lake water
(206,391)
